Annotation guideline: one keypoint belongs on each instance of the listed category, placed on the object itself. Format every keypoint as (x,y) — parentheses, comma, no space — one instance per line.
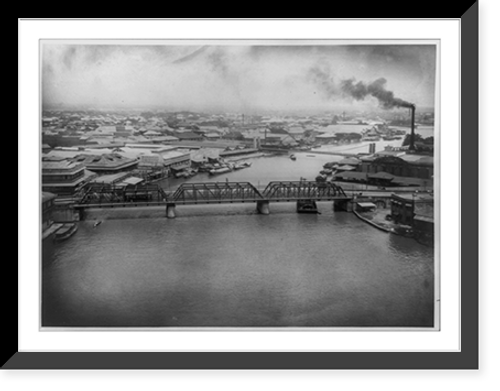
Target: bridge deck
(210,193)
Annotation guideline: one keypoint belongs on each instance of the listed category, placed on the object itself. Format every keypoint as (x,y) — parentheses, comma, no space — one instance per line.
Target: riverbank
(379,226)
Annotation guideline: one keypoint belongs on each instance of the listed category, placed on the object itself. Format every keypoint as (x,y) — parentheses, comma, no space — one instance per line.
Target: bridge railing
(107,194)
(303,190)
(211,192)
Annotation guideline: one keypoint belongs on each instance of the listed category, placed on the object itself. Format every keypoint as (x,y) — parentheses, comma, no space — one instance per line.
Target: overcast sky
(244,78)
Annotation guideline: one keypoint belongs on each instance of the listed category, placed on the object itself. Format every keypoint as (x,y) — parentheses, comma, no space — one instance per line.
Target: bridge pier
(170,210)
(81,214)
(263,207)
(343,206)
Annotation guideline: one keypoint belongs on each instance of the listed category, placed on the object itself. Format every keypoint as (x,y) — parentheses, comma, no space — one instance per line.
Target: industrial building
(404,165)
(405,207)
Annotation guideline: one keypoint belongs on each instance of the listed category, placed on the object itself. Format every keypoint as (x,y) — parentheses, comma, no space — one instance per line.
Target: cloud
(230,77)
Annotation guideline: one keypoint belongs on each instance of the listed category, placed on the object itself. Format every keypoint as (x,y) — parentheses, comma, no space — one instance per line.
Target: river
(227,266)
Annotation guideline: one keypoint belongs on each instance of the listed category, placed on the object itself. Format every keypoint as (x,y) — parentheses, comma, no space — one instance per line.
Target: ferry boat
(242,165)
(222,170)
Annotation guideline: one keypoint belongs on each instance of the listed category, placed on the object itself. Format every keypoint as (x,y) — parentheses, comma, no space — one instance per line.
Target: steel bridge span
(106,196)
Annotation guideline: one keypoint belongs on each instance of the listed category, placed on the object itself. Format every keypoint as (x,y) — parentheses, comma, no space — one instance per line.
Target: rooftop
(423,160)
(112,178)
(46,196)
(351,175)
(416,196)
(352,161)
(62,165)
(110,160)
(382,175)
(173,154)
(150,147)
(131,181)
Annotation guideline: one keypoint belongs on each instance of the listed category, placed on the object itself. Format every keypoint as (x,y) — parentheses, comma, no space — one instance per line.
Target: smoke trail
(360,91)
(324,80)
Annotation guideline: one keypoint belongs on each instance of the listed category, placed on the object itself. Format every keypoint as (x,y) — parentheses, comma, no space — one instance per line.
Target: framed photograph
(227,194)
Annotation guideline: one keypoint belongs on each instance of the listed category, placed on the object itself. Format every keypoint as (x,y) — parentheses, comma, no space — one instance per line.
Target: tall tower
(412,135)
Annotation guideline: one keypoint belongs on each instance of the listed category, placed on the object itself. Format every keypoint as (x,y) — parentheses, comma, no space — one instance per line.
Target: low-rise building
(176,159)
(110,179)
(414,166)
(64,177)
(212,136)
(326,138)
(189,136)
(155,156)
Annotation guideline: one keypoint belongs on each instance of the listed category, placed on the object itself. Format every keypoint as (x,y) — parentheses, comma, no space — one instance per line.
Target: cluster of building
(65,170)
(66,128)
(394,166)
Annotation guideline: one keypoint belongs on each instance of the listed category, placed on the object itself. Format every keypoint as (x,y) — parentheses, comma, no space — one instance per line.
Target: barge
(307,206)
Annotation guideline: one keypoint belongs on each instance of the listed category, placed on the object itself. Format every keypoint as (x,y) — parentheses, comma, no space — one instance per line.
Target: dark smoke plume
(324,80)
(360,91)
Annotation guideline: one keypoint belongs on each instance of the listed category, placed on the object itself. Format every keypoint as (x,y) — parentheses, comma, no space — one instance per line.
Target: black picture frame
(466,358)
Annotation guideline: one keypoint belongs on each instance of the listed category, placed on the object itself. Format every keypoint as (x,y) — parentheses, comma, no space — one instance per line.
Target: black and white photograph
(240,184)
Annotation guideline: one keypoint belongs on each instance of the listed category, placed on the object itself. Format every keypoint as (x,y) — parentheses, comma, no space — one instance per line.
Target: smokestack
(412,135)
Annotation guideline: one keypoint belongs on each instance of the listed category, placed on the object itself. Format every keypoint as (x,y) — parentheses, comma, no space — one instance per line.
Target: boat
(293,157)
(186,173)
(97,223)
(241,165)
(66,230)
(222,170)
(307,206)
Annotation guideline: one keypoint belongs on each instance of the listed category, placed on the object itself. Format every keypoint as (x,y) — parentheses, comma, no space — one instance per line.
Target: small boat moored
(222,170)
(307,206)
(66,231)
